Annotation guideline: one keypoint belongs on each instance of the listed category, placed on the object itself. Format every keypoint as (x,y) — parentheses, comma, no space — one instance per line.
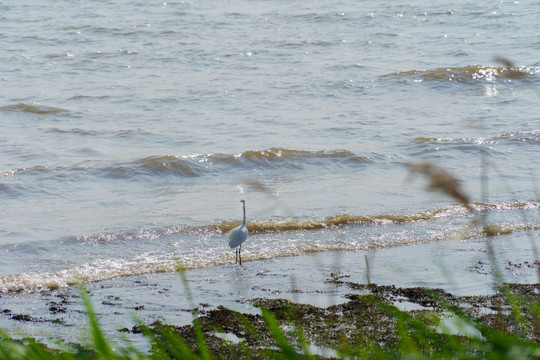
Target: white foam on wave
(110,268)
(201,248)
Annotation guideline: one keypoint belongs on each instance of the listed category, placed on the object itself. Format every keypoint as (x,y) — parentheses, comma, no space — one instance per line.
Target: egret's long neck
(244,221)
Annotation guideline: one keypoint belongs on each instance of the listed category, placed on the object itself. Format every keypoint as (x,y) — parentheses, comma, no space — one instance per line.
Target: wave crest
(34,109)
(474,143)
(467,74)
(206,164)
(294,224)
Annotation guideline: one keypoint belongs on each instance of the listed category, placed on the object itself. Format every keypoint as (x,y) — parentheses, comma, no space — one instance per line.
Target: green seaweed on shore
(368,326)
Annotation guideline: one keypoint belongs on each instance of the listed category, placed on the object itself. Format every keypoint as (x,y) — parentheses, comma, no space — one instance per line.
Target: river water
(132,129)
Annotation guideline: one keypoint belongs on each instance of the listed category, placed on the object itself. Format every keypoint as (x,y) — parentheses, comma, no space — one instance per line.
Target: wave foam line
(295,224)
(11,172)
(108,269)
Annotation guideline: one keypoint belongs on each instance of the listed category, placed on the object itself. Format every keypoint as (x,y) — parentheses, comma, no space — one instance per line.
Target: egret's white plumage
(238,235)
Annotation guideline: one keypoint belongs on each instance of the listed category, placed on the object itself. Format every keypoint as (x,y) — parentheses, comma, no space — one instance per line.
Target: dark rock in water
(22,317)
(134,330)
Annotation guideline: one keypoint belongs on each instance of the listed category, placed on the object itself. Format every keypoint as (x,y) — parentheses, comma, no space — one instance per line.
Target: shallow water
(131,130)
(460,267)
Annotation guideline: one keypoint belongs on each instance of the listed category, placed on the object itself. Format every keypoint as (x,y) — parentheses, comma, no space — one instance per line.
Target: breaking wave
(111,268)
(289,237)
(297,224)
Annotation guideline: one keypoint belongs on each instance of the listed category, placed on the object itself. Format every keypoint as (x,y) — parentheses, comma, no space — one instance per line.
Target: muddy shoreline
(312,283)
(370,319)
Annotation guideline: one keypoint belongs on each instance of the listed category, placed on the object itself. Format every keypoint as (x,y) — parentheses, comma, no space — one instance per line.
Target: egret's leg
(236,255)
(240,256)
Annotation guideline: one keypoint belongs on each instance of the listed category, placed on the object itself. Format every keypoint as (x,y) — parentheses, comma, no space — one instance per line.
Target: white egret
(238,235)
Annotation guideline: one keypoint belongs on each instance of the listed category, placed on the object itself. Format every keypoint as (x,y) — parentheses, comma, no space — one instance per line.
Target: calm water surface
(131,130)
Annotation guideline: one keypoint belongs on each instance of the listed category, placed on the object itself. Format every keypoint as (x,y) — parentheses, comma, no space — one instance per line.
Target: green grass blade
(278,335)
(205,354)
(168,344)
(101,345)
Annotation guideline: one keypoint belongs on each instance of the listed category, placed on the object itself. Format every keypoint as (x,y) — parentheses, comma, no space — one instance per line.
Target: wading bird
(238,235)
